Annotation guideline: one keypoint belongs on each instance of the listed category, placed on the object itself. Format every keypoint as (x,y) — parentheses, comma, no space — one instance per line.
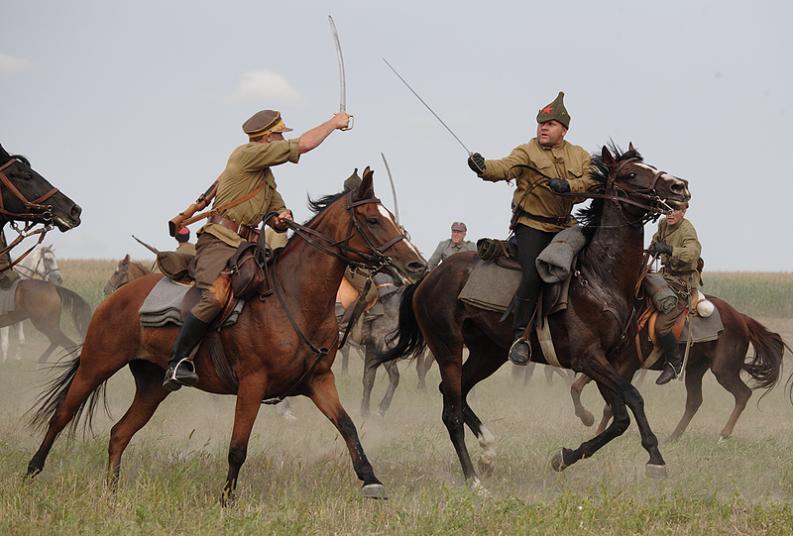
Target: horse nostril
(76,211)
(416,266)
(678,186)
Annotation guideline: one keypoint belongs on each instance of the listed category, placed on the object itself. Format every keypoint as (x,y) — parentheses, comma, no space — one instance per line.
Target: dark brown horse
(282,345)
(126,271)
(26,196)
(587,335)
(725,357)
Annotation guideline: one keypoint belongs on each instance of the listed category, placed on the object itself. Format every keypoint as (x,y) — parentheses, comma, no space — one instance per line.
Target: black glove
(560,186)
(659,248)
(476,162)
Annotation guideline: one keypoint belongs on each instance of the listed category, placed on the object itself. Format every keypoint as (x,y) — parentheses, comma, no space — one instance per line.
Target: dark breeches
(531,242)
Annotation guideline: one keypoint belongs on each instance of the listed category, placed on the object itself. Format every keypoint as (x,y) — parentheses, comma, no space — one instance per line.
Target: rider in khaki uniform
(248,175)
(185,246)
(545,166)
(456,244)
(678,246)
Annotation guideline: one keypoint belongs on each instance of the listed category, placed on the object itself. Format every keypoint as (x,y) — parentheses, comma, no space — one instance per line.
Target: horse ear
(606,156)
(631,148)
(366,189)
(125,260)
(4,156)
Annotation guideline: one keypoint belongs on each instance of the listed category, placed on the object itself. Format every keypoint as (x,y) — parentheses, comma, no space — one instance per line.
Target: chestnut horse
(587,335)
(725,357)
(282,345)
(126,271)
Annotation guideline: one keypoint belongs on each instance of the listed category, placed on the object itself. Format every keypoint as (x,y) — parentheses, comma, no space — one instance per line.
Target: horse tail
(407,337)
(48,402)
(78,307)
(766,366)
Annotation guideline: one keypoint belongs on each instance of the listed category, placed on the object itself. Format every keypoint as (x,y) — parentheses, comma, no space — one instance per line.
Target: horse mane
(589,216)
(316,206)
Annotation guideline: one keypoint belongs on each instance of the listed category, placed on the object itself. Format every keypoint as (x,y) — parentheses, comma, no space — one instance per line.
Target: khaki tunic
(532,193)
(248,166)
(446,249)
(680,268)
(186,247)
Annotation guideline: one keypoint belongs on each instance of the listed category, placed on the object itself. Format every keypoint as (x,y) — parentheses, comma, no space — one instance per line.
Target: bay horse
(126,271)
(587,335)
(282,345)
(726,359)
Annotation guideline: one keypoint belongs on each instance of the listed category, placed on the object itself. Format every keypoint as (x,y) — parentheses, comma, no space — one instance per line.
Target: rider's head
(182,235)
(265,126)
(674,217)
(552,122)
(458,232)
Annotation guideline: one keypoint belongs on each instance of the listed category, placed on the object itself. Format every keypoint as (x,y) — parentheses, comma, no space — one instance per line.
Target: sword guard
(350,124)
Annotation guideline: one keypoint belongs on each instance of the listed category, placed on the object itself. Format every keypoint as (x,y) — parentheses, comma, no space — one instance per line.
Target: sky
(132,108)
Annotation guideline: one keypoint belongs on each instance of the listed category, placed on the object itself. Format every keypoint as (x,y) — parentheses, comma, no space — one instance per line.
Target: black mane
(590,216)
(316,206)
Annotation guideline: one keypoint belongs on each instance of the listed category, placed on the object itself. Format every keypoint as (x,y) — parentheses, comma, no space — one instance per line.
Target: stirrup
(515,354)
(174,379)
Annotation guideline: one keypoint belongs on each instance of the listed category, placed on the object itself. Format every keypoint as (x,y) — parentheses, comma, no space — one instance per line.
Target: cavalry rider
(183,238)
(456,244)
(248,174)
(543,167)
(678,246)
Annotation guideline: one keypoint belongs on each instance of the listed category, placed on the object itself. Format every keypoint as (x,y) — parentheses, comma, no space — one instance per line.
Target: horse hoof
(374,491)
(655,471)
(486,466)
(478,488)
(557,461)
(723,439)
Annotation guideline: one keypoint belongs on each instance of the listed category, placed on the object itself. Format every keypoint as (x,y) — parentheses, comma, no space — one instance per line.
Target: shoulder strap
(231,204)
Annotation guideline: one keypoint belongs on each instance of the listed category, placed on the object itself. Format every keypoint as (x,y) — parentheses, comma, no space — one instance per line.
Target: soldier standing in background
(456,244)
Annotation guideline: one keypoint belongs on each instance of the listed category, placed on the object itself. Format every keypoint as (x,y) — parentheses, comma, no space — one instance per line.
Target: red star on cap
(547,109)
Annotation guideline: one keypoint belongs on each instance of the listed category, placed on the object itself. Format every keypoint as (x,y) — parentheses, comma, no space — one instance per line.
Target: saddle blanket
(490,287)
(703,329)
(163,305)
(8,295)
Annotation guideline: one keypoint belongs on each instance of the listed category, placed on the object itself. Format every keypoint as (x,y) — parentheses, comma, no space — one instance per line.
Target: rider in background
(456,244)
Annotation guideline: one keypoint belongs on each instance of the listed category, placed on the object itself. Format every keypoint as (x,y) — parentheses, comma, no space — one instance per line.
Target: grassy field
(298,478)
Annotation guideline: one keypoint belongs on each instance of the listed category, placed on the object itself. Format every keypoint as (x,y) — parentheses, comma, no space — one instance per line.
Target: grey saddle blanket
(8,303)
(163,305)
(703,329)
(492,287)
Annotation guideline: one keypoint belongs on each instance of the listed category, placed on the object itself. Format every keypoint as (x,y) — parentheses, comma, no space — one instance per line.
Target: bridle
(375,258)
(42,214)
(34,272)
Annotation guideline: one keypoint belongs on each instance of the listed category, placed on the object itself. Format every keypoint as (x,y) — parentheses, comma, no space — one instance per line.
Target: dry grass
(298,478)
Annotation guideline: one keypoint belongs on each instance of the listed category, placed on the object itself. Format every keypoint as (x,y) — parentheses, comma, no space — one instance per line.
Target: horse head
(27,196)
(49,265)
(641,190)
(375,238)
(119,278)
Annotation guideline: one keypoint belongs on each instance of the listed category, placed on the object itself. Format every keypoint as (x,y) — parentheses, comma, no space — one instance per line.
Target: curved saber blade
(393,187)
(427,106)
(340,57)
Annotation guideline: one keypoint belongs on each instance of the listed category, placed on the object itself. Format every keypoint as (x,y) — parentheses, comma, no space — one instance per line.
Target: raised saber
(342,77)
(427,106)
(393,187)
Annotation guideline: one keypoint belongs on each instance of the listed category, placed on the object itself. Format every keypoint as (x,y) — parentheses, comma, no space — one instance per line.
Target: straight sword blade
(427,106)
(145,245)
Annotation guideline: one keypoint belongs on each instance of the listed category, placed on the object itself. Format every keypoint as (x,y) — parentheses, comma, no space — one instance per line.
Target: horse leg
(423,365)
(730,379)
(4,342)
(452,416)
(149,393)
(694,372)
(55,335)
(325,396)
(20,331)
(251,391)
(345,358)
(482,362)
(81,386)
(393,382)
(581,412)
(370,365)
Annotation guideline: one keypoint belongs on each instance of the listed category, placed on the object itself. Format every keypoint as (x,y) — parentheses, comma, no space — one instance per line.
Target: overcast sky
(132,108)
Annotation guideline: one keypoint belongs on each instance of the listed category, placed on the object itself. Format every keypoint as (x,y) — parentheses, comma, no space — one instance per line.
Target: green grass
(754,293)
(298,477)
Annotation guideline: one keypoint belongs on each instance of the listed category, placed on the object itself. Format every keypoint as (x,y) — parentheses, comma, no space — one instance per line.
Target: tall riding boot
(181,370)
(674,363)
(520,351)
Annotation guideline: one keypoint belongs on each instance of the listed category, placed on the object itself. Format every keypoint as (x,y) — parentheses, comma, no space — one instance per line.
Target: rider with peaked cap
(248,178)
(678,246)
(542,168)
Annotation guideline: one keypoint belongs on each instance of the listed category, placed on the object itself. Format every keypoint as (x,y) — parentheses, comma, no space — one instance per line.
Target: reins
(374,261)
(37,212)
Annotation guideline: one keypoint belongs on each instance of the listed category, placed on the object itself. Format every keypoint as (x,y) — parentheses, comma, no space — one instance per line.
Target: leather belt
(544,219)
(246,232)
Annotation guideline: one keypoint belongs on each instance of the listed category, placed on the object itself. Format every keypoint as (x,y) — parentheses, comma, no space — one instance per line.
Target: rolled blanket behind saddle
(555,262)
